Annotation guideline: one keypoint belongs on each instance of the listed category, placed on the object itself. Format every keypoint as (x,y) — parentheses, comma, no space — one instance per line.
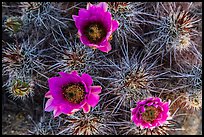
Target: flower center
(74,93)
(95,32)
(150,114)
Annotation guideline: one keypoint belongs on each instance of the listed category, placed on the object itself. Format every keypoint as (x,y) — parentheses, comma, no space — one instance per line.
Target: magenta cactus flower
(150,113)
(70,93)
(95,26)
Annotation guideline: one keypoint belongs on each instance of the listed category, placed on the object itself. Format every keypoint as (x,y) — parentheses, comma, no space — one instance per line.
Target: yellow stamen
(74,93)
(95,32)
(150,114)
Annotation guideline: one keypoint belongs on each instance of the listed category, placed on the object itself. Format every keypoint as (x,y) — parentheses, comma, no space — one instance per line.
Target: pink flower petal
(57,112)
(105,46)
(106,20)
(84,40)
(55,86)
(88,5)
(56,82)
(73,77)
(80,23)
(58,101)
(164,117)
(133,110)
(156,99)
(66,108)
(48,94)
(155,123)
(75,110)
(87,79)
(64,75)
(142,109)
(103,19)
(93,10)
(75,17)
(93,99)
(103,5)
(71,113)
(96,89)
(140,103)
(83,13)
(86,108)
(48,105)
(134,118)
(74,72)
(150,103)
(93,46)
(115,25)
(77,21)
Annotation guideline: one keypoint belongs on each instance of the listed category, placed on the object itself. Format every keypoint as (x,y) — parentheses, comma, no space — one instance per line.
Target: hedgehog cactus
(21,89)
(175,30)
(130,15)
(74,56)
(93,123)
(20,62)
(13,24)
